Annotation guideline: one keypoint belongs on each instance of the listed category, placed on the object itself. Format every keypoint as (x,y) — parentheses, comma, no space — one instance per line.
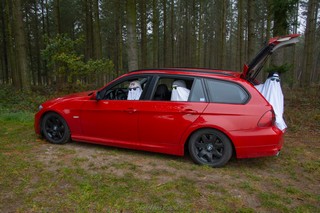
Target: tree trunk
(57,18)
(89,29)
(155,33)
(200,49)
(132,35)
(221,38)
(37,44)
(12,65)
(21,45)
(97,35)
(4,45)
(240,43)
(45,32)
(47,18)
(117,51)
(251,35)
(164,3)
(172,34)
(308,62)
(143,11)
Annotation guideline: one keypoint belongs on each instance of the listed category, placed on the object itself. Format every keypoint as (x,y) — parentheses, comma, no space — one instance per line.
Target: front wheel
(210,147)
(55,128)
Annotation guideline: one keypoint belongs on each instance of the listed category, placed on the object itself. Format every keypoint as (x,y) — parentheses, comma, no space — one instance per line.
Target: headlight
(40,107)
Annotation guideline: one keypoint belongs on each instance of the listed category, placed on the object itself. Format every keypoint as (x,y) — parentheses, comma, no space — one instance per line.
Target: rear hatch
(251,70)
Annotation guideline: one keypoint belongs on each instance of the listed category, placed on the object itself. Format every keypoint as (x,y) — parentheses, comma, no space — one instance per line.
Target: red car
(213,114)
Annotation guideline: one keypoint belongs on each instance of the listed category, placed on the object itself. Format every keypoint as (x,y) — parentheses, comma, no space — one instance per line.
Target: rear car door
(163,122)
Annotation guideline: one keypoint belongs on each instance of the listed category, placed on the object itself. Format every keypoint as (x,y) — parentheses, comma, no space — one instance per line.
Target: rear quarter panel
(239,123)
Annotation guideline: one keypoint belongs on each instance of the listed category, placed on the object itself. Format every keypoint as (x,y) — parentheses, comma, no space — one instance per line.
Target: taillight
(267,119)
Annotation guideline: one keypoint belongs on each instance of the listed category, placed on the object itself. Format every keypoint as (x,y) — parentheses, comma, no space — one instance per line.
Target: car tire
(55,129)
(210,147)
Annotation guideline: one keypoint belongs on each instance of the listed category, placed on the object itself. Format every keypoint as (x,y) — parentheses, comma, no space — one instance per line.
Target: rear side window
(226,92)
(197,94)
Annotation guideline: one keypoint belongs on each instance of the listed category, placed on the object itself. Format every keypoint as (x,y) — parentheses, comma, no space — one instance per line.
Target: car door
(113,119)
(110,121)
(163,122)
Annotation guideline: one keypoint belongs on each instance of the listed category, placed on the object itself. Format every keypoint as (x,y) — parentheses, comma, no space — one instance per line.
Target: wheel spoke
(60,134)
(209,157)
(202,153)
(49,122)
(205,139)
(213,138)
(216,153)
(200,145)
(218,145)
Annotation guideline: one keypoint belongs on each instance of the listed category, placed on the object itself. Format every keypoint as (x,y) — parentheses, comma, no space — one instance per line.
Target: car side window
(179,89)
(172,89)
(197,93)
(129,89)
(226,92)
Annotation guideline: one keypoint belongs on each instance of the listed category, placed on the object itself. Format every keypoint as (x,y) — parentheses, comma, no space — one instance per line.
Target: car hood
(75,96)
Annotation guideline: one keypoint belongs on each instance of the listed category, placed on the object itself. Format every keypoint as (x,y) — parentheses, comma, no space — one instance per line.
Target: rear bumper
(260,143)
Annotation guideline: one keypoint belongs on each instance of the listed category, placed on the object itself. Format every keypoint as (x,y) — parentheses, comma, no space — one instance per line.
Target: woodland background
(57,43)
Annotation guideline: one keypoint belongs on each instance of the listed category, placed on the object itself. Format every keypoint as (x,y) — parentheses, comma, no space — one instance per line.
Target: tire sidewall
(227,149)
(66,135)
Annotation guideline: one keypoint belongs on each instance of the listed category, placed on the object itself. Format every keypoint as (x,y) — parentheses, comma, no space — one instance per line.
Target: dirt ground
(293,175)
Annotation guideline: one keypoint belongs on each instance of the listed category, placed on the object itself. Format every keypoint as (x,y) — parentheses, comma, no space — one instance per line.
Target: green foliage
(63,57)
(13,100)
(282,10)
(280,69)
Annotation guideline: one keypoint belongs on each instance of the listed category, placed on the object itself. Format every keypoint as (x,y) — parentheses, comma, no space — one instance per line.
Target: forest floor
(37,176)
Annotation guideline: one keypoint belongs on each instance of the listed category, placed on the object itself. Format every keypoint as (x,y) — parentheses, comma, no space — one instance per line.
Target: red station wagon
(213,114)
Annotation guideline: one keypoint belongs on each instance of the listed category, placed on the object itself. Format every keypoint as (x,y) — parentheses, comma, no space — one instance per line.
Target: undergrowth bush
(14,100)
(302,111)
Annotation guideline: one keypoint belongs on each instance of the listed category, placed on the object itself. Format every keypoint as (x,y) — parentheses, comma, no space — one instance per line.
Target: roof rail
(184,69)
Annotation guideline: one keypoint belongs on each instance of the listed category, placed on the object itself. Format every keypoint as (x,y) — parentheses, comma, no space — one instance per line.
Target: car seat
(162,93)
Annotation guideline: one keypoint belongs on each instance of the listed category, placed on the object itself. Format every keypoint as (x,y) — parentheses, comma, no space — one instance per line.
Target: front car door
(113,119)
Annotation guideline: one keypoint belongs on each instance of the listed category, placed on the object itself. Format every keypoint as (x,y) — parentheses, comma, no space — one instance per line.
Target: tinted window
(164,89)
(226,92)
(120,91)
(197,94)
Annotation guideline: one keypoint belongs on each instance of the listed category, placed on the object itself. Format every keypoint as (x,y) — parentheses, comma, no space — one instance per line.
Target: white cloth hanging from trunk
(272,92)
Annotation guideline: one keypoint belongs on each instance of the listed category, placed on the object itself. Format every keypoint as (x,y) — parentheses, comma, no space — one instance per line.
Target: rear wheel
(55,128)
(210,147)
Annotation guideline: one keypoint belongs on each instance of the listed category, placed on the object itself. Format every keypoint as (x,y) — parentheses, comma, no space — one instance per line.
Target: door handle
(130,110)
(189,111)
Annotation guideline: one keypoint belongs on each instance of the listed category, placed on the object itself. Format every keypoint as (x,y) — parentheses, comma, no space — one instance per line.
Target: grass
(40,177)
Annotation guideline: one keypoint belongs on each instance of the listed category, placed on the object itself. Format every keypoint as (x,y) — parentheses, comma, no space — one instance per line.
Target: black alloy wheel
(210,147)
(55,128)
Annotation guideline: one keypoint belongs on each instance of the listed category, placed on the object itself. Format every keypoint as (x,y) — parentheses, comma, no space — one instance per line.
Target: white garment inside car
(272,92)
(135,91)
(179,91)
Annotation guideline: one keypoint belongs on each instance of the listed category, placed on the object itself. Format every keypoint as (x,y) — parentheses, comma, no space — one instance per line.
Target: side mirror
(95,96)
(98,96)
